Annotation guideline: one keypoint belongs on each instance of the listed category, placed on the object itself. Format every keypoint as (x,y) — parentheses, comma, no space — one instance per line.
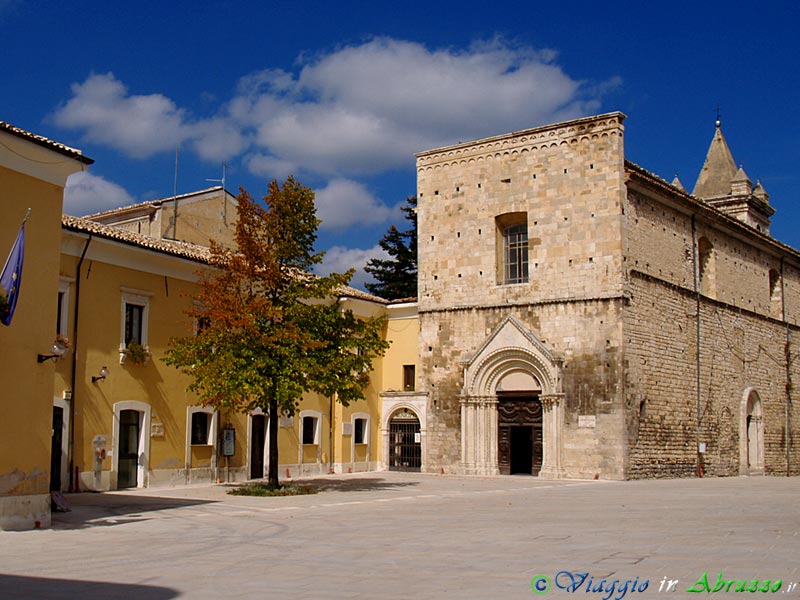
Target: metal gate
(405,447)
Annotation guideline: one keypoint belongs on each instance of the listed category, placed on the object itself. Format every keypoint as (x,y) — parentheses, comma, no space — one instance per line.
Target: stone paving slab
(395,535)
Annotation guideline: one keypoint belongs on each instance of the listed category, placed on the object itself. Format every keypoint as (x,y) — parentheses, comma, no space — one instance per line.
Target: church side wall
(742,344)
(738,351)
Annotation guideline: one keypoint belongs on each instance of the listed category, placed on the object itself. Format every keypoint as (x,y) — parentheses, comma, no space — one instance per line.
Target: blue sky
(342,94)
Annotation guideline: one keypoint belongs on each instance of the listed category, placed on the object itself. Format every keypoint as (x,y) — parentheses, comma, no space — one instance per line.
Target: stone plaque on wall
(587,421)
(156,429)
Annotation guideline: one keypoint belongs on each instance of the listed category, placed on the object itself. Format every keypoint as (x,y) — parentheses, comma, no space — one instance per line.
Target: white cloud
(137,125)
(143,125)
(86,194)
(270,167)
(217,139)
(360,109)
(339,259)
(370,107)
(344,203)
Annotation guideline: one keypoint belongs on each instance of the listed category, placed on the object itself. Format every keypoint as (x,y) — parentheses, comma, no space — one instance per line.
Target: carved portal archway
(511,362)
(751,434)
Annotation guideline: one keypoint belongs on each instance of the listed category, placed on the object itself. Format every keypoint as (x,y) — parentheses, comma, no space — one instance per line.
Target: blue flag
(11,277)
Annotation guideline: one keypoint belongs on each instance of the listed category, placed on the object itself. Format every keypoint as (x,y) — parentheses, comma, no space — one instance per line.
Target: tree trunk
(272,470)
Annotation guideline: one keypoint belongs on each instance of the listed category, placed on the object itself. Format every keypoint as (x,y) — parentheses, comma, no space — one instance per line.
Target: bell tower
(729,189)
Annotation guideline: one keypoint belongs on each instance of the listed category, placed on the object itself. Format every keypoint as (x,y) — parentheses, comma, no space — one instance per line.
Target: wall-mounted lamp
(103,375)
(57,350)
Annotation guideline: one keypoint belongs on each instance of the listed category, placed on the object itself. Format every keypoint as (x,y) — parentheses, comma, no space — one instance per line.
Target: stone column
(552,431)
(479,435)
(384,449)
(490,411)
(467,450)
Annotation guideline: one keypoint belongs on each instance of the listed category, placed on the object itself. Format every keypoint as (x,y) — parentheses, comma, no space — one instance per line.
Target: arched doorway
(751,451)
(512,414)
(405,447)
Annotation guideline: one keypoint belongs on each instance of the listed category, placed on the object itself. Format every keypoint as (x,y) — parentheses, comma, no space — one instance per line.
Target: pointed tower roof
(677,183)
(718,170)
(760,193)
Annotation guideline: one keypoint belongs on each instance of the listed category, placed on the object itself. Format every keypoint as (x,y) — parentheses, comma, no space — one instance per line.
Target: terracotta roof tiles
(47,143)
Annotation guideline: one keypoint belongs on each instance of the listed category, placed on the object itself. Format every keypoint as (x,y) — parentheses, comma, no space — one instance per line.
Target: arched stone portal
(405,441)
(751,435)
(514,368)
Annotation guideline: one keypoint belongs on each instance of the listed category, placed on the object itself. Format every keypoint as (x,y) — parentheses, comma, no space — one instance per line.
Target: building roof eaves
(150,203)
(350,292)
(698,204)
(40,140)
(174,248)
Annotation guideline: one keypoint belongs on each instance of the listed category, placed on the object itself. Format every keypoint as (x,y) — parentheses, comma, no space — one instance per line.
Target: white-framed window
(512,248)
(201,425)
(134,318)
(310,427)
(62,310)
(360,428)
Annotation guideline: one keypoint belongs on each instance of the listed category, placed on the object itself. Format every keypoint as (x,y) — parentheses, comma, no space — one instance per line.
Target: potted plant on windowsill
(138,354)
(63,342)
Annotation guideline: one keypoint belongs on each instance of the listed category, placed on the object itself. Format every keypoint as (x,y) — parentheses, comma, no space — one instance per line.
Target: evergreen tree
(397,277)
(266,338)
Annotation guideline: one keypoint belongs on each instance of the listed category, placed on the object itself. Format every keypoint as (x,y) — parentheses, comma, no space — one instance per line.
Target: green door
(128,453)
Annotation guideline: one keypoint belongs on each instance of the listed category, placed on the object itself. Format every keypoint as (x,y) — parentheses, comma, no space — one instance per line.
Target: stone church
(581,317)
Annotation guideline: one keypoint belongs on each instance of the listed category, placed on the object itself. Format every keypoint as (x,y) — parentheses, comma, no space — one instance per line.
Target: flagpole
(27,214)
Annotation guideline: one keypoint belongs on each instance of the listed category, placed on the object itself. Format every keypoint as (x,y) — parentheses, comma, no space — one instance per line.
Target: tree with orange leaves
(271,331)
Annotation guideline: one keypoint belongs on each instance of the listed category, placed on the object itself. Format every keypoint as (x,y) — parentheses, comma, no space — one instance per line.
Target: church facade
(581,317)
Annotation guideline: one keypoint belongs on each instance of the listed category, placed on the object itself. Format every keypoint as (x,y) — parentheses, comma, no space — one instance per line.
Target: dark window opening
(409,378)
(309,430)
(360,431)
(201,425)
(134,314)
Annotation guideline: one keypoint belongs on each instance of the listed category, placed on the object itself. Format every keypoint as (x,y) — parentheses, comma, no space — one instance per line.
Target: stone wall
(742,339)
(739,350)
(586,332)
(567,180)
(613,252)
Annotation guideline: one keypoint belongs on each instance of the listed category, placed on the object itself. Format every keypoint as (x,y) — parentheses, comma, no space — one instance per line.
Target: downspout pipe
(788,357)
(73,483)
(696,269)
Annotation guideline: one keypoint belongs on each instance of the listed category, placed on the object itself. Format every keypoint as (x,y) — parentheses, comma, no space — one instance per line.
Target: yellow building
(196,217)
(91,405)
(33,172)
(135,425)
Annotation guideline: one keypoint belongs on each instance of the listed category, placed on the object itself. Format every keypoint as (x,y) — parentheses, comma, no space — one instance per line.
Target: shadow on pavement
(337,484)
(38,588)
(101,510)
(360,484)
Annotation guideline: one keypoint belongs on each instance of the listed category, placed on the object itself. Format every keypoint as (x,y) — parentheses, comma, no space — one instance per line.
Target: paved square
(392,535)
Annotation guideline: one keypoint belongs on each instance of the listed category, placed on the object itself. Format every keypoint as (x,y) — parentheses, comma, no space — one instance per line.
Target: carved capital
(477,400)
(550,401)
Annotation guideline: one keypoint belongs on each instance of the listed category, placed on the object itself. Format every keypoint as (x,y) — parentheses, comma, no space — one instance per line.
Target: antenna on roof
(719,120)
(175,198)
(224,199)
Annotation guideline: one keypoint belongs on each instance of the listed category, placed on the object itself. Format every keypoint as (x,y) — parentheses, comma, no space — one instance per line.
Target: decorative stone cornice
(528,140)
